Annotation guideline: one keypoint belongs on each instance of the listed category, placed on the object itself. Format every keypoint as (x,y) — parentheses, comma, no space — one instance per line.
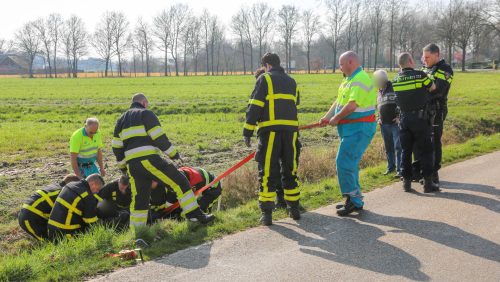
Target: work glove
(248,141)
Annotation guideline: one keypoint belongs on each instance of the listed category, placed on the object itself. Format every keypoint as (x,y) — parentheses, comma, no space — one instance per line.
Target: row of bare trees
(181,41)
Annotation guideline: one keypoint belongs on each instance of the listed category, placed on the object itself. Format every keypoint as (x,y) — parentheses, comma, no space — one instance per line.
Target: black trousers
(437,145)
(142,172)
(277,157)
(416,133)
(33,224)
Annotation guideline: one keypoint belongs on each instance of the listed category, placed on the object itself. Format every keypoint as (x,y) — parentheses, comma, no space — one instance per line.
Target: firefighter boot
(198,216)
(293,210)
(430,186)
(407,184)
(267,213)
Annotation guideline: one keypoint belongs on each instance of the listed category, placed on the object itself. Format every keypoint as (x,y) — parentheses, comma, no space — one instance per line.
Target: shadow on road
(488,203)
(472,187)
(352,243)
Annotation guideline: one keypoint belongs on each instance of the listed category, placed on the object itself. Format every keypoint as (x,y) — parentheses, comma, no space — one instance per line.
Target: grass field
(203,117)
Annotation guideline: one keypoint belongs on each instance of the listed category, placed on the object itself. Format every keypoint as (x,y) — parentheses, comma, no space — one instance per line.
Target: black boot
(293,210)
(407,184)
(435,178)
(430,186)
(341,206)
(198,216)
(267,213)
(348,208)
(280,202)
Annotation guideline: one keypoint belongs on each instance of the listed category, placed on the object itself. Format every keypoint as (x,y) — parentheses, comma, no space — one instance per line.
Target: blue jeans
(392,144)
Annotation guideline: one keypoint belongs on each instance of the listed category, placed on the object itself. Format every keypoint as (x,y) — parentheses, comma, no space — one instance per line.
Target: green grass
(203,117)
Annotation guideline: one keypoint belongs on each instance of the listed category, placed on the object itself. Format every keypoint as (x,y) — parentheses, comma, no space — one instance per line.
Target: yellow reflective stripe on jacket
(134,131)
(71,208)
(256,103)
(98,197)
(89,220)
(279,122)
(74,209)
(270,92)
(64,226)
(117,143)
(35,211)
(281,96)
(140,152)
(155,132)
(249,126)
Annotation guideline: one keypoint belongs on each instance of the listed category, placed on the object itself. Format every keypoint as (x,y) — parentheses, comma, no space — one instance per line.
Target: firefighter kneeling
(163,197)
(114,203)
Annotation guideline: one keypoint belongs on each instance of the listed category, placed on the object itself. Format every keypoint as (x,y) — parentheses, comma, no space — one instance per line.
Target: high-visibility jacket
(42,201)
(273,104)
(442,75)
(412,89)
(74,208)
(111,192)
(86,148)
(138,134)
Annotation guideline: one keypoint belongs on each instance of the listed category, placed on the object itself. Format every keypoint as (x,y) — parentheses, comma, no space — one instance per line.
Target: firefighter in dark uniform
(412,94)
(163,198)
(114,203)
(35,212)
(75,208)
(136,140)
(442,75)
(273,109)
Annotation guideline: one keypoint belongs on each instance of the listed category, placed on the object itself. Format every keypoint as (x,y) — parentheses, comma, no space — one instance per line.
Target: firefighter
(35,211)
(162,198)
(75,207)
(353,113)
(114,203)
(85,148)
(442,75)
(412,95)
(137,138)
(272,109)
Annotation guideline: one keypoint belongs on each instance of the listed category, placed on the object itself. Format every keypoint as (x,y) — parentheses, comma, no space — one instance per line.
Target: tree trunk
(464,47)
(308,59)
(243,57)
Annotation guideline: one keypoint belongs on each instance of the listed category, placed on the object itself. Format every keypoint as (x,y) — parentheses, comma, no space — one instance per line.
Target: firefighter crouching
(114,203)
(273,109)
(137,137)
(35,212)
(412,95)
(75,208)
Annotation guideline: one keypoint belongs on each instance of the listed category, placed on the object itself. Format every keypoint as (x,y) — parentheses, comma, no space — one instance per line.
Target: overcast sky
(17,12)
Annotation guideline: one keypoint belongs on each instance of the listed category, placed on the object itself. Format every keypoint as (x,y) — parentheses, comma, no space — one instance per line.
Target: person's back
(386,103)
(74,209)
(411,88)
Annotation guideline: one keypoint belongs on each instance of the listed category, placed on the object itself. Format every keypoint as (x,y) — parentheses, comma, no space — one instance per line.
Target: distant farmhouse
(13,64)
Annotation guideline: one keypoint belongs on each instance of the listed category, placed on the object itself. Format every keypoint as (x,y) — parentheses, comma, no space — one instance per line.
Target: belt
(370,118)
(85,164)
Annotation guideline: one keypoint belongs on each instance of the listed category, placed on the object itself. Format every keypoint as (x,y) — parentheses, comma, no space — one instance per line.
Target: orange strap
(370,118)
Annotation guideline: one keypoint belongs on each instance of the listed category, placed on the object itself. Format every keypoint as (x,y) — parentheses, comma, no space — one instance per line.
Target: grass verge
(74,259)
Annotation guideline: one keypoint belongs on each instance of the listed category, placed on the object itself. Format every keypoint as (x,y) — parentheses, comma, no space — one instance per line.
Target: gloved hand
(248,141)
(177,157)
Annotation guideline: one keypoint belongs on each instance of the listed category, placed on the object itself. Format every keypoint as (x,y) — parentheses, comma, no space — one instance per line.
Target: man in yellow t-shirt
(85,148)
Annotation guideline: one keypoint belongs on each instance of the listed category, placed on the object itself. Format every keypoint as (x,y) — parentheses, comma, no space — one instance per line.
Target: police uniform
(74,210)
(35,211)
(163,198)
(86,148)
(355,131)
(272,109)
(120,204)
(442,75)
(412,93)
(136,140)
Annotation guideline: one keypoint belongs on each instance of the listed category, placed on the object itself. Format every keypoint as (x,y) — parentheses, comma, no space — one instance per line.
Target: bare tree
(103,39)
(261,20)
(468,17)
(206,22)
(195,42)
(3,44)
(76,40)
(337,15)
(161,31)
(215,39)
(376,18)
(394,6)
(446,25)
(310,27)
(289,17)
(144,43)
(179,13)
(238,28)
(120,26)
(43,30)
(187,35)
(28,42)
(55,23)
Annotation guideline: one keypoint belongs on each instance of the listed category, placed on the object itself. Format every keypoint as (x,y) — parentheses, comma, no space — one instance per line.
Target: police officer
(136,140)
(442,75)
(272,110)
(35,212)
(412,94)
(75,207)
(353,112)
(85,148)
(114,203)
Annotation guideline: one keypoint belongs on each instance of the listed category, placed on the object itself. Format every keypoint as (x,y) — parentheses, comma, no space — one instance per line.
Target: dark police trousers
(437,133)
(416,132)
(277,157)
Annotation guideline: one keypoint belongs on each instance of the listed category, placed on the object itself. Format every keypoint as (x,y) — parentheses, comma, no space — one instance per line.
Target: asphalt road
(449,236)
